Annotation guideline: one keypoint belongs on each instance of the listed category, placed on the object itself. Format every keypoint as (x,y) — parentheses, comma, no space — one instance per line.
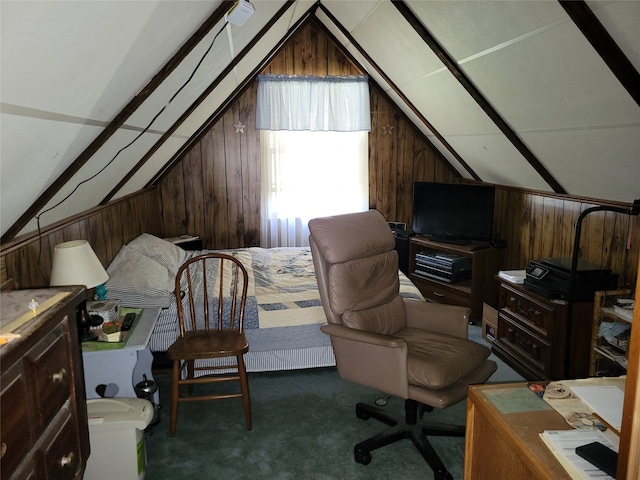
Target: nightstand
(124,366)
(186,242)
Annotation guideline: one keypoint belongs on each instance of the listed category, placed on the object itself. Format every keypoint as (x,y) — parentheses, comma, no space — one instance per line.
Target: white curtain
(314,143)
(339,104)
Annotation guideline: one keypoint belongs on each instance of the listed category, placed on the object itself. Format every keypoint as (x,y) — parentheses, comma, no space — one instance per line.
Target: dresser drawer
(439,293)
(61,448)
(48,371)
(530,348)
(526,310)
(14,409)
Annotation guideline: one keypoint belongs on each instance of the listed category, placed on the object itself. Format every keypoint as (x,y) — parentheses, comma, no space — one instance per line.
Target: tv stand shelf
(469,293)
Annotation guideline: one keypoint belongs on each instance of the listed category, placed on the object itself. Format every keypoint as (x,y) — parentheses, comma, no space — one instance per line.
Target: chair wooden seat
(210,318)
(197,345)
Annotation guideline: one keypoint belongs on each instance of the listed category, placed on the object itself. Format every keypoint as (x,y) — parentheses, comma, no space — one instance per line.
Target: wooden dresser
(532,334)
(44,430)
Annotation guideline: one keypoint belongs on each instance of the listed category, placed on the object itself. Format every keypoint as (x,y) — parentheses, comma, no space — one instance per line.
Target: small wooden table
(502,437)
(124,366)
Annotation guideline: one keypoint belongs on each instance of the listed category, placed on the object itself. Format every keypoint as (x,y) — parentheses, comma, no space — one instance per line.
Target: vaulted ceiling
(98,97)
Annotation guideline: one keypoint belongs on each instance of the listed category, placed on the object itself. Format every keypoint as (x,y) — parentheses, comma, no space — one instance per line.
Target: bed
(283,314)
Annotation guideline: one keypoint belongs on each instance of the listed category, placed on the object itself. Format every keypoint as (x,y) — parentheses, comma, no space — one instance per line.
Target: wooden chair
(213,292)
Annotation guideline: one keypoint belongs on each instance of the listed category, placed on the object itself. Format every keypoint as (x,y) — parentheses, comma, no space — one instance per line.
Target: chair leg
(244,388)
(175,388)
(190,373)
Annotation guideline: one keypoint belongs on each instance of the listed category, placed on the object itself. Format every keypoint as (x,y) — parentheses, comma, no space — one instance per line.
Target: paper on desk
(563,443)
(607,401)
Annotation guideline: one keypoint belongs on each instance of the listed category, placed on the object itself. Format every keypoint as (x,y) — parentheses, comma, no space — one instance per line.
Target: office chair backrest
(357,270)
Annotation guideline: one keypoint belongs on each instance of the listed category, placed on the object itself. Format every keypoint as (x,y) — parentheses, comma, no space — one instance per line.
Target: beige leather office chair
(408,348)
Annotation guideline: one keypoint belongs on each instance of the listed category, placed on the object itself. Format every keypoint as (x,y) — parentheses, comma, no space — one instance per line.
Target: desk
(508,445)
(125,366)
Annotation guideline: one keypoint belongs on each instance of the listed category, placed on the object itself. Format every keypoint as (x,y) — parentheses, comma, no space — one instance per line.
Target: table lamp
(75,263)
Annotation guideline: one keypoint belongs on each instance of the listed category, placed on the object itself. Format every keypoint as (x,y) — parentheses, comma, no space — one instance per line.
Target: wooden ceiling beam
(468,85)
(607,48)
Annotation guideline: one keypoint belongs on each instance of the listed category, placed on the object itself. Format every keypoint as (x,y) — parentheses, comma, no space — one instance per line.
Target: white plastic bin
(116,435)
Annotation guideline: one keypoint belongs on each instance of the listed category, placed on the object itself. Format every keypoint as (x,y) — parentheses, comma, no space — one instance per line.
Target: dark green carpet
(304,427)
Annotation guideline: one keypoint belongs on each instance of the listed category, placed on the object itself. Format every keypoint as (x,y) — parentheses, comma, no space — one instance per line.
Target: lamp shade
(75,263)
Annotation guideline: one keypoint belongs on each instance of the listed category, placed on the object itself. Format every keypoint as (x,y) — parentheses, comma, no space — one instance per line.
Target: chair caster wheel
(362,457)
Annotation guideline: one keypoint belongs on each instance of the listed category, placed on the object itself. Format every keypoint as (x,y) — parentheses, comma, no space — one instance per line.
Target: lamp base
(89,336)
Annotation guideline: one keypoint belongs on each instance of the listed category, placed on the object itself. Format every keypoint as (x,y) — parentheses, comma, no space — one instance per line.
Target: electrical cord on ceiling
(37,217)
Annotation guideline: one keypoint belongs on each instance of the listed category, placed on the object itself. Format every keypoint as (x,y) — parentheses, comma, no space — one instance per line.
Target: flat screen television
(455,213)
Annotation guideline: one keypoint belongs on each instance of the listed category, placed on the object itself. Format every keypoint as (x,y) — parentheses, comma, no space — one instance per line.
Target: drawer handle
(60,376)
(67,460)
(438,294)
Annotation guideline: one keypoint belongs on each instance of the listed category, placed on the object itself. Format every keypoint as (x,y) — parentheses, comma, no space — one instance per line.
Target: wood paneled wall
(538,225)
(28,258)
(214,190)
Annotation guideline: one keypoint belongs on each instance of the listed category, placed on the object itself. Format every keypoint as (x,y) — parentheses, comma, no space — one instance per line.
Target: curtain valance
(339,104)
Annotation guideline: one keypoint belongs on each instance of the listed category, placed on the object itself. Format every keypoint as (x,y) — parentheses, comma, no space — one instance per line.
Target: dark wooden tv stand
(481,288)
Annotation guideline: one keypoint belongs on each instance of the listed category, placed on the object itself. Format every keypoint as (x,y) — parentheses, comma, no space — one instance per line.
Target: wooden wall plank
(106,228)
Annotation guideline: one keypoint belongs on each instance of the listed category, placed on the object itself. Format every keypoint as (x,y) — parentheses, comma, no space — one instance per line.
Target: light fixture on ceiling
(240,12)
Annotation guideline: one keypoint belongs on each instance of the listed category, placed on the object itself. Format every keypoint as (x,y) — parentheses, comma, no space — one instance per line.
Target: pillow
(134,277)
(162,251)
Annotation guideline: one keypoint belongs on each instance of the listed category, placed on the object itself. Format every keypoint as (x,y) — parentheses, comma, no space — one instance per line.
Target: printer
(550,277)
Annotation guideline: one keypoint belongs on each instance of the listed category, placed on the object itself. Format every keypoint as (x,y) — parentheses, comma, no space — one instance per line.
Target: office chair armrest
(438,317)
(355,335)
(371,359)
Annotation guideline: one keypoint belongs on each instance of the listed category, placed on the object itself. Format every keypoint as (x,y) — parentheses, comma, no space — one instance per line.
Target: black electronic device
(127,323)
(443,266)
(550,277)
(600,456)
(455,213)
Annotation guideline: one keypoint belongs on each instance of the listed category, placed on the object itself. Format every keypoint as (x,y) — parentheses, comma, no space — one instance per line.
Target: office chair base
(410,427)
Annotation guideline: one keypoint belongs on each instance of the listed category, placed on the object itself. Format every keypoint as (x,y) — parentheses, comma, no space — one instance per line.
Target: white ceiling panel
(598,163)
(448,106)
(352,14)
(469,28)
(93,182)
(496,160)
(28,168)
(396,49)
(112,48)
(544,84)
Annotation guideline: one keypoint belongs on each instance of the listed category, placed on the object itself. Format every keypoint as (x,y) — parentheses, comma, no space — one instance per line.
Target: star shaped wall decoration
(387,129)
(239,126)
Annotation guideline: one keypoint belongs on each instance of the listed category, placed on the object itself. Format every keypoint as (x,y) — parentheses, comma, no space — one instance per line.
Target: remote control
(127,322)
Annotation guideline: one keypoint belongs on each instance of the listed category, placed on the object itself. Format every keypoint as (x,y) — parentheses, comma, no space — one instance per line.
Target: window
(310,174)
(314,140)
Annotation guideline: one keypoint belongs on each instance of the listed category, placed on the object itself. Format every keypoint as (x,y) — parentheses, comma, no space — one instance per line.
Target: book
(563,443)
